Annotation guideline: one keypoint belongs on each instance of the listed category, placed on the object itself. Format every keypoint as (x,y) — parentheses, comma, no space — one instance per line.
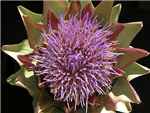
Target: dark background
(17,100)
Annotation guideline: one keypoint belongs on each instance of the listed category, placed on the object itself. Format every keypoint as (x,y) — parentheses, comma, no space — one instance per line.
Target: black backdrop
(17,100)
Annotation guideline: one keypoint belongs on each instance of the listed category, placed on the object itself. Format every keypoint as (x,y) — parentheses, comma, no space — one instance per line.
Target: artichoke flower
(77,58)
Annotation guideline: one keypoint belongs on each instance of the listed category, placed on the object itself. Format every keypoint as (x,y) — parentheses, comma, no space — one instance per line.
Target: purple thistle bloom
(78,60)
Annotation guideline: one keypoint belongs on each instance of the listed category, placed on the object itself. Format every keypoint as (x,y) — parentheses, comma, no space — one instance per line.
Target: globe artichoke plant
(77,58)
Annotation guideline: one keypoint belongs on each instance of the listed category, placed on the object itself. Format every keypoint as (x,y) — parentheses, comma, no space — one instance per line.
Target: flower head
(77,56)
(77,61)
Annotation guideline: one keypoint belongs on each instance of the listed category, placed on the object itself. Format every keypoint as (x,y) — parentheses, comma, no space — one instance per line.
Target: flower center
(74,58)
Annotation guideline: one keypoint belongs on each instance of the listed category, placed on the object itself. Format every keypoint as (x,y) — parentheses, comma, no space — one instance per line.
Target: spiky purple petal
(78,60)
